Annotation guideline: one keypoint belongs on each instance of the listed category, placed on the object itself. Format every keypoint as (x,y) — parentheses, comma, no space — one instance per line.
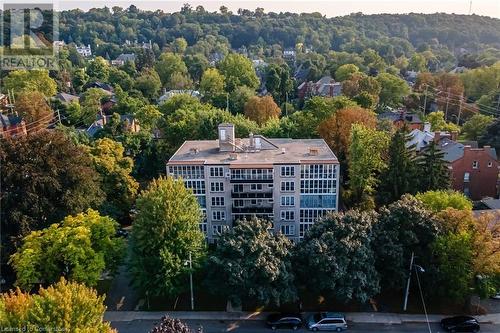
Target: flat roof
(273,151)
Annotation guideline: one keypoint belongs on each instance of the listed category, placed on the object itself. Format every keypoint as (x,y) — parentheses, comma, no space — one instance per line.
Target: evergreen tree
(433,172)
(400,176)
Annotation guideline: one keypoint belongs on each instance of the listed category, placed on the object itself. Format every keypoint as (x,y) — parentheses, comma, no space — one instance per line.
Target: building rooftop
(408,117)
(272,151)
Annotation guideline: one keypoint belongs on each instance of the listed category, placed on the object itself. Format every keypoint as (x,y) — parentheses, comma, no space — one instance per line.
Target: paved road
(143,326)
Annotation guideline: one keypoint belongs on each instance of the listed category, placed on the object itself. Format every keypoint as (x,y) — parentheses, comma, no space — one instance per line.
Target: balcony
(252,210)
(252,195)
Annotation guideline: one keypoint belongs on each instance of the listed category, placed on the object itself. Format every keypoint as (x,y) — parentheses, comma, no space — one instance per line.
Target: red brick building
(474,171)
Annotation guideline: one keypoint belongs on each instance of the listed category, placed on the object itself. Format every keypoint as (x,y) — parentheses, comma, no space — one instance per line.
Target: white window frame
(218,215)
(217,187)
(287,186)
(287,201)
(218,201)
(216,172)
(475,164)
(287,229)
(287,215)
(287,171)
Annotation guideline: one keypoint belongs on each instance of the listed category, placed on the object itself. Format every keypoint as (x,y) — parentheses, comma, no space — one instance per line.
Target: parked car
(460,324)
(496,296)
(327,321)
(284,320)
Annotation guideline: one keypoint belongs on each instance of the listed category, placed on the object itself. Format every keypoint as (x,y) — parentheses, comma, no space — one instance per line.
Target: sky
(329,8)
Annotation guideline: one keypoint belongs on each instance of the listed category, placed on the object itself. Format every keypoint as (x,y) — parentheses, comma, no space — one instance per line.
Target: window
(303,227)
(288,215)
(238,203)
(187,171)
(287,201)
(198,186)
(216,172)
(490,164)
(217,201)
(217,187)
(466,177)
(238,188)
(288,186)
(318,186)
(217,230)
(287,171)
(222,134)
(475,164)
(256,187)
(288,230)
(218,215)
(203,228)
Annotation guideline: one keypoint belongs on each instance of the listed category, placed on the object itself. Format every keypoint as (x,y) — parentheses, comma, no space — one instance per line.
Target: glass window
(288,215)
(475,164)
(287,230)
(217,172)
(218,215)
(287,201)
(287,186)
(287,171)
(216,187)
(217,201)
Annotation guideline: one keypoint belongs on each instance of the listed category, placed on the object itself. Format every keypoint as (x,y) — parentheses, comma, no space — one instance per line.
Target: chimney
(437,136)
(427,127)
(313,151)
(226,138)
(454,136)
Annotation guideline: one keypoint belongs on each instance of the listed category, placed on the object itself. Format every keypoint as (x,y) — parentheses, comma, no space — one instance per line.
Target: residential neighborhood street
(144,326)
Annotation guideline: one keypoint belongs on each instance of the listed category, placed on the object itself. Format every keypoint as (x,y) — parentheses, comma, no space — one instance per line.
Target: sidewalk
(355,317)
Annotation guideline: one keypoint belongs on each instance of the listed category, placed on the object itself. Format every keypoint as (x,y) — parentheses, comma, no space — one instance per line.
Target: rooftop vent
(313,151)
(194,151)
(283,150)
(233,156)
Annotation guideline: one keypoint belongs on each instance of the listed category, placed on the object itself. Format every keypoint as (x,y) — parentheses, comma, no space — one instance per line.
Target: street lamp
(190,263)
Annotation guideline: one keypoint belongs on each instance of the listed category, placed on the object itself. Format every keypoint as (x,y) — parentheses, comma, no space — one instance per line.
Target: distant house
(123,58)
(171,93)
(215,57)
(289,54)
(401,117)
(67,98)
(325,87)
(129,122)
(100,85)
(420,139)
(301,73)
(84,51)
(12,126)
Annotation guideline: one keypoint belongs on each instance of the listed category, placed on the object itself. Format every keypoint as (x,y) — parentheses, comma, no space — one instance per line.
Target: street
(143,326)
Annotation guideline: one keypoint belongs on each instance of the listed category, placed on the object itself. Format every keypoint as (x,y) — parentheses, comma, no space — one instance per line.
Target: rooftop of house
(67,98)
(10,120)
(271,151)
(126,57)
(408,117)
(455,150)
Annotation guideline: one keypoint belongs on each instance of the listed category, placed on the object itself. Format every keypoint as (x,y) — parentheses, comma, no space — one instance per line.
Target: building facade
(289,182)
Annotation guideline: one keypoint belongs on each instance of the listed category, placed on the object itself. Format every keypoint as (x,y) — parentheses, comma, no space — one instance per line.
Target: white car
(496,296)
(327,321)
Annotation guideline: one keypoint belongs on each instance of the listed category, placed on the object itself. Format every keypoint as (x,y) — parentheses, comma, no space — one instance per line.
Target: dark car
(284,320)
(460,324)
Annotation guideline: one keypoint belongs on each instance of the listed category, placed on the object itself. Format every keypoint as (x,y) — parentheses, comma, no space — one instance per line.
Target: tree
(344,72)
(179,81)
(80,79)
(454,269)
(166,230)
(34,80)
(67,306)
(432,170)
(91,106)
(403,227)
(212,86)
(261,109)
(79,249)
(239,97)
(148,83)
(148,117)
(439,200)
(399,177)
(34,110)
(170,325)
(438,123)
(98,70)
(417,63)
(393,89)
(363,89)
(250,263)
(197,64)
(179,45)
(118,77)
(338,249)
(491,136)
(118,185)
(278,82)
(45,177)
(238,71)
(476,126)
(336,130)
(168,64)
(366,160)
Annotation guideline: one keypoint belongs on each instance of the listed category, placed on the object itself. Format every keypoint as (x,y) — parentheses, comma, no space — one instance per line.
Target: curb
(354,317)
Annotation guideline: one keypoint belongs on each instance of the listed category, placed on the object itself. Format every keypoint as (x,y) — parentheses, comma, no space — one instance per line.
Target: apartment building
(287,181)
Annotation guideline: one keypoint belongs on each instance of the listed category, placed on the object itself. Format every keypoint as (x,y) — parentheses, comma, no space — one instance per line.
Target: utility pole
(470,7)
(459,110)
(425,98)
(227,102)
(286,103)
(408,282)
(447,102)
(191,280)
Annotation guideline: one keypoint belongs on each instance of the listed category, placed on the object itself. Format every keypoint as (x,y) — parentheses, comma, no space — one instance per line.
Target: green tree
(344,72)
(79,249)
(363,89)
(166,231)
(197,64)
(338,249)
(239,97)
(118,77)
(417,63)
(476,126)
(491,136)
(148,117)
(34,80)
(45,177)
(452,254)
(91,106)
(238,71)
(98,70)
(212,86)
(67,306)
(168,64)
(117,183)
(403,227)
(399,177)
(393,89)
(80,79)
(366,160)
(179,45)
(250,263)
(440,200)
(438,123)
(432,170)
(148,83)
(278,81)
